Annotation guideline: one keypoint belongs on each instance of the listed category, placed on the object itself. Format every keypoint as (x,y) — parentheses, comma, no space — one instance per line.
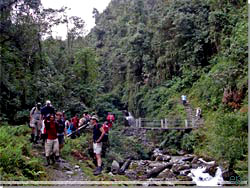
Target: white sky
(81,8)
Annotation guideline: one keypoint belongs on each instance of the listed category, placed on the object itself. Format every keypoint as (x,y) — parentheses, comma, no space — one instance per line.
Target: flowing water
(204,179)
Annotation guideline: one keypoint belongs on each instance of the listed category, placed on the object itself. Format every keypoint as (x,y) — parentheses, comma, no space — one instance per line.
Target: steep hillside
(152,52)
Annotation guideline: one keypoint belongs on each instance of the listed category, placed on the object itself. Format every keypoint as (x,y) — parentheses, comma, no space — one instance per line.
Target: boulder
(115,167)
(165,158)
(167,173)
(77,167)
(131,174)
(230,175)
(156,164)
(178,168)
(211,170)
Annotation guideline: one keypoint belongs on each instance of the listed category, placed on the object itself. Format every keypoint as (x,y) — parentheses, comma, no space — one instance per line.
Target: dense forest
(142,55)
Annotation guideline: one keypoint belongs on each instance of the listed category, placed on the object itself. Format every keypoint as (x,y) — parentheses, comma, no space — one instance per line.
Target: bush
(16,159)
(189,141)
(229,137)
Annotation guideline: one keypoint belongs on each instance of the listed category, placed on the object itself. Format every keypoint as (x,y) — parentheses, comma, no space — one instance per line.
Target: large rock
(211,170)
(131,174)
(165,158)
(230,175)
(167,174)
(178,168)
(153,164)
(115,167)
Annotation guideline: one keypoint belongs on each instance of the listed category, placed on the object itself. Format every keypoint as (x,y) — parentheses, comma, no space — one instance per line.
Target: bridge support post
(186,123)
(166,123)
(162,123)
(136,123)
(139,122)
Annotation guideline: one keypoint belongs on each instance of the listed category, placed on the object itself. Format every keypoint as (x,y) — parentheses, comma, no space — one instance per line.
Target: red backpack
(106,127)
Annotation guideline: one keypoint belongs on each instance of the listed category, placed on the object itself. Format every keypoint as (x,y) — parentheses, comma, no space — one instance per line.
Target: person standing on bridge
(98,133)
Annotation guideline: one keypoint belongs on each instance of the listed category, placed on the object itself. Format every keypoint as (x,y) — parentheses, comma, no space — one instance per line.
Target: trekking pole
(82,127)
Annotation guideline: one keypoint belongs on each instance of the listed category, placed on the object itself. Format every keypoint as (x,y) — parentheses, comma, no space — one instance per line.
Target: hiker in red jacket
(51,143)
(110,118)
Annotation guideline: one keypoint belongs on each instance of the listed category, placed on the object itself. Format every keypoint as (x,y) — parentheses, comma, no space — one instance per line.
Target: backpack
(33,110)
(106,135)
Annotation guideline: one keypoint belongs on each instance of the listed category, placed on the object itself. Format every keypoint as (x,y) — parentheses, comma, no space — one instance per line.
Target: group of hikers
(52,127)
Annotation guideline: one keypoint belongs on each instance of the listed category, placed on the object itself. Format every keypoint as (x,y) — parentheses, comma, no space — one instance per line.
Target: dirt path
(60,171)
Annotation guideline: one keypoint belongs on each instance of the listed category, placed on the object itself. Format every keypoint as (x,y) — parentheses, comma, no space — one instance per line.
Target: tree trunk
(153,173)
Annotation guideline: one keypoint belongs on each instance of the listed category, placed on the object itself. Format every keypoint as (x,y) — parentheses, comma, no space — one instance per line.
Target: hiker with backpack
(74,122)
(98,134)
(51,143)
(47,109)
(35,122)
(61,129)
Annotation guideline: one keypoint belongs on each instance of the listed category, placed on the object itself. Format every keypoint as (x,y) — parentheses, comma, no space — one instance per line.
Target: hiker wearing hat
(98,133)
(47,110)
(35,122)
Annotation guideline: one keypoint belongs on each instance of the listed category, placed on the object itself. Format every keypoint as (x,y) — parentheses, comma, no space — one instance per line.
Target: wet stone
(77,167)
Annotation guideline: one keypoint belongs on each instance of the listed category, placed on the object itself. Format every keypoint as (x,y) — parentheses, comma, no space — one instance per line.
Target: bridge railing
(164,123)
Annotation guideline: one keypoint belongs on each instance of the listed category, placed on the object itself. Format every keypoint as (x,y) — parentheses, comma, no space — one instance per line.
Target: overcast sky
(81,8)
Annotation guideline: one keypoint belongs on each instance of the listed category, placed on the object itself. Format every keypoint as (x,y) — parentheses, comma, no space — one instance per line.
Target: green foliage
(172,140)
(230,137)
(17,161)
(141,56)
(190,141)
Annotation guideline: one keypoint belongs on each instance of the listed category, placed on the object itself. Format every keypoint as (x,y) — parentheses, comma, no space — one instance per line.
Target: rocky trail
(60,171)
